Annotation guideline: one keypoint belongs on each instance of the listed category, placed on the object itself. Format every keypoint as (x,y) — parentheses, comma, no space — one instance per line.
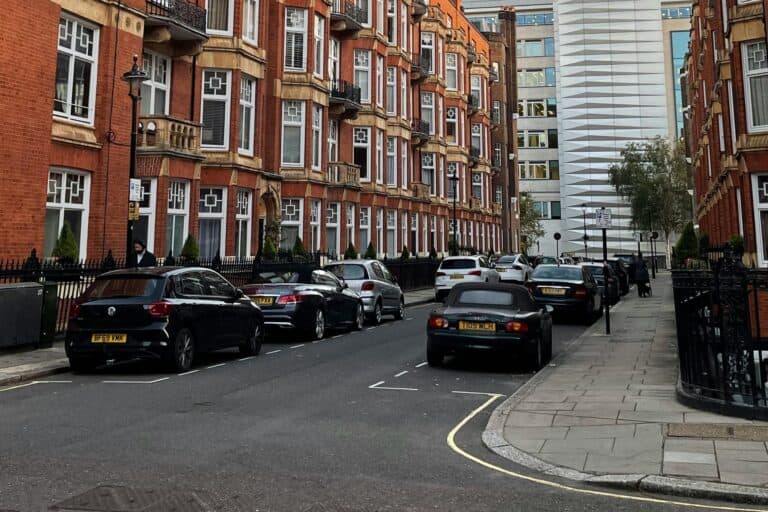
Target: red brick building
(335,121)
(727,127)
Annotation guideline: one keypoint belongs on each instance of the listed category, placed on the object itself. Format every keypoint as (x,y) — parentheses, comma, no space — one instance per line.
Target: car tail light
(367,286)
(517,327)
(160,309)
(477,273)
(437,322)
(517,267)
(440,274)
(580,292)
(290,299)
(74,310)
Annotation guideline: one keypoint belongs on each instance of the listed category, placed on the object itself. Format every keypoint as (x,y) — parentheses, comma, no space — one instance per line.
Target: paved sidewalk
(417,297)
(608,407)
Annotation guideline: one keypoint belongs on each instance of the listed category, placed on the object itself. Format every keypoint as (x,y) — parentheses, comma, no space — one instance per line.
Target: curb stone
(493,439)
(38,370)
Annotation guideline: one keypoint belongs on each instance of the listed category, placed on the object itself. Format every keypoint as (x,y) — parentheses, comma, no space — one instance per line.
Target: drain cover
(128,499)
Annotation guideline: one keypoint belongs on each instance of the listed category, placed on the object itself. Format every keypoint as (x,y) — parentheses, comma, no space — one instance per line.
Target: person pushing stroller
(642,279)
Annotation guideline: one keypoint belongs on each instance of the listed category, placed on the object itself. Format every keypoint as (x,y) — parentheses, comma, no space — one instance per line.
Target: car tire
(359,320)
(400,313)
(375,317)
(317,331)
(252,346)
(81,364)
(434,357)
(182,353)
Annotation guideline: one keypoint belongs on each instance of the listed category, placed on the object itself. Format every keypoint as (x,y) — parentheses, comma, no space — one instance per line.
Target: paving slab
(707,471)
(604,446)
(619,465)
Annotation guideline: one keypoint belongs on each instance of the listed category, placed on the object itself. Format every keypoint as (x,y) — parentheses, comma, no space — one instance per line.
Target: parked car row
(173,314)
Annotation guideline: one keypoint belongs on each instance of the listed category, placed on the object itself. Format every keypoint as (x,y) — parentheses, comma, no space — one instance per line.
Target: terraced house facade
(335,121)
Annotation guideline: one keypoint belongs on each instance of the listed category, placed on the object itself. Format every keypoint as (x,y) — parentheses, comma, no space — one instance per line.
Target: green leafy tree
(272,232)
(530,222)
(66,250)
(687,245)
(190,252)
(654,177)
(270,251)
(351,252)
(299,249)
(370,252)
(737,244)
(405,254)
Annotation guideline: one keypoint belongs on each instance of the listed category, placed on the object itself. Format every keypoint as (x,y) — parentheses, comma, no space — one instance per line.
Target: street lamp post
(584,211)
(135,77)
(455,184)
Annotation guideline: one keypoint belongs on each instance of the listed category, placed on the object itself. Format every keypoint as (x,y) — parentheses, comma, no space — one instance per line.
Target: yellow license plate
(553,291)
(501,269)
(264,301)
(457,276)
(477,326)
(109,338)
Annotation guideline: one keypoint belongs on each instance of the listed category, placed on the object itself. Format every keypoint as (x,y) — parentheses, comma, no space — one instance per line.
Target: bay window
(428,172)
(362,74)
(154,90)
(295,39)
(755,56)
(76,61)
(332,214)
(315,209)
(293,133)
(219,21)
(391,233)
(317,136)
(215,109)
(212,215)
(361,149)
(428,110)
(243,216)
(291,221)
(451,71)
(391,162)
(365,228)
(67,202)
(177,220)
(247,115)
(428,49)
(319,55)
(392,91)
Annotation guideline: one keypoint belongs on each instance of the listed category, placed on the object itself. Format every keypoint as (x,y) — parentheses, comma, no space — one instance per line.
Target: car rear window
(486,298)
(278,277)
(566,273)
(547,260)
(507,259)
(348,272)
(458,264)
(595,270)
(124,287)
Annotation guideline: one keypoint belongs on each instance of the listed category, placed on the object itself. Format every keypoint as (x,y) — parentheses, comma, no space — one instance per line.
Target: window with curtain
(295,39)
(218,15)
(756,82)
(74,93)
(66,203)
(215,114)
(212,215)
(292,213)
(251,20)
(154,90)
(293,133)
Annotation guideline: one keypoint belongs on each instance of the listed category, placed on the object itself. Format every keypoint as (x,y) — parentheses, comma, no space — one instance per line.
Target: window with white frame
(452,170)
(760,203)
(332,240)
(380,16)
(452,125)
(215,111)
(243,216)
(333,140)
(76,62)
(476,140)
(334,46)
(319,45)
(67,202)
(498,154)
(439,61)
(212,214)
(144,228)
(380,81)
(317,136)
(251,21)
(315,211)
(404,230)
(365,11)
(476,89)
(428,171)
(432,232)
(440,178)
(539,170)
(351,224)
(439,119)
(428,49)
(424,227)
(154,90)
(477,185)
(392,91)
(403,95)
(219,16)
(177,221)
(415,233)
(462,64)
(361,149)
(404,27)
(247,115)
(379,231)
(756,84)
(428,110)
(365,228)
(441,236)
(362,73)
(404,165)
(295,39)
(392,21)
(291,222)
(293,133)
(379,156)
(391,161)
(391,233)
(451,71)
(498,194)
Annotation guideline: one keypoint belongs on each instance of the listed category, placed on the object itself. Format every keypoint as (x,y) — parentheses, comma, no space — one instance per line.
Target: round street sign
(557,236)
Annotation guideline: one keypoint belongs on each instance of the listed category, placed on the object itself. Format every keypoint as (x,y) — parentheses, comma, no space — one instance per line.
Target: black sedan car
(167,313)
(567,288)
(310,301)
(622,274)
(606,279)
(490,317)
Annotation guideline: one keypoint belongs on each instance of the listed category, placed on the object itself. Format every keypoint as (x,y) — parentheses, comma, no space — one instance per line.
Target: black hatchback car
(567,288)
(168,313)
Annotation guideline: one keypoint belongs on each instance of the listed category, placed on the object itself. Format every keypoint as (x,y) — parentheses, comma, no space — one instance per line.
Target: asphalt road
(301,427)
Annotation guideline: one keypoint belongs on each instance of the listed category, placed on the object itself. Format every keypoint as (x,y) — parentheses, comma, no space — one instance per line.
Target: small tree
(687,246)
(270,251)
(737,244)
(298,248)
(66,250)
(370,252)
(351,252)
(530,222)
(405,254)
(191,251)
(272,232)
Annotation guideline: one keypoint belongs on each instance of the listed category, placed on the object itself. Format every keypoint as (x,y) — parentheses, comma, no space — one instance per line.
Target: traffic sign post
(654,236)
(603,220)
(557,246)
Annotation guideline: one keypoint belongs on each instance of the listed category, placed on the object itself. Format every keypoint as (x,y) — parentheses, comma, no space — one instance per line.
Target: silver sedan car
(376,286)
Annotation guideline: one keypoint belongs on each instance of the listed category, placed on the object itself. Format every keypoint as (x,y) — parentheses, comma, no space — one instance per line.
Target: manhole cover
(128,499)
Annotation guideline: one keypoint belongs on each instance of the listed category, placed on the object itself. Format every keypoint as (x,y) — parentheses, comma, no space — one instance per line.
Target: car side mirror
(239,294)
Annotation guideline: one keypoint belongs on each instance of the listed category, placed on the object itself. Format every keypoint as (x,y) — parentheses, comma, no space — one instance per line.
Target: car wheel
(81,364)
(377,313)
(434,357)
(182,351)
(253,345)
(400,313)
(317,332)
(536,357)
(359,318)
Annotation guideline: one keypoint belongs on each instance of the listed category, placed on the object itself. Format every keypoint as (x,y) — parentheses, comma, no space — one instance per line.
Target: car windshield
(348,272)
(486,298)
(546,260)
(507,259)
(458,264)
(565,273)
(124,287)
(278,277)
(596,270)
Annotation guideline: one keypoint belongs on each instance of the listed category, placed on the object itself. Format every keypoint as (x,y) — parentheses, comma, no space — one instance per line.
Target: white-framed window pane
(74,93)
(67,203)
(243,216)
(154,90)
(319,44)
(362,73)
(292,213)
(317,136)
(428,110)
(756,66)
(219,12)
(247,114)
(361,147)
(293,133)
(212,210)
(333,140)
(428,49)
(391,161)
(295,39)
(392,90)
(215,114)
(251,20)
(178,213)
(451,71)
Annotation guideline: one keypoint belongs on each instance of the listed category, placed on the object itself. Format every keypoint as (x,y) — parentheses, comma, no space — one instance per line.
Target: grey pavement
(608,407)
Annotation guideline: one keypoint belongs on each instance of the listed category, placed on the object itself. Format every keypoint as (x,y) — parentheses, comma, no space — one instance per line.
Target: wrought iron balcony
(471,54)
(420,65)
(345,99)
(419,132)
(347,17)
(183,20)
(474,156)
(343,174)
(474,103)
(418,9)
(493,75)
(164,134)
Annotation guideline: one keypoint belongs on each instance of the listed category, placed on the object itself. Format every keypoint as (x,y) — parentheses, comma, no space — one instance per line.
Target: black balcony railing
(182,11)
(343,90)
(421,62)
(350,9)
(473,101)
(420,127)
(474,152)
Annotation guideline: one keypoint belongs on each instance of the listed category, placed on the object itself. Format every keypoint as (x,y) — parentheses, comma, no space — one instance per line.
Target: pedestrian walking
(642,278)
(144,258)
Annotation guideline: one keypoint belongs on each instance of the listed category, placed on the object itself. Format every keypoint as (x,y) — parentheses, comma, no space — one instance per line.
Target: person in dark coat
(144,258)
(642,278)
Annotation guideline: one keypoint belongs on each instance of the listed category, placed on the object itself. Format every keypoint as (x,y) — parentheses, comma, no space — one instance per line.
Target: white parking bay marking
(53,382)
(401,373)
(215,366)
(476,393)
(135,381)
(421,364)
(274,352)
(370,328)
(247,358)
(19,386)
(190,372)
(378,385)
(297,346)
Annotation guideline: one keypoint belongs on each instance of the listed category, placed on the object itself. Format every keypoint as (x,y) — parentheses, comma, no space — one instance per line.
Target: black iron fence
(722,335)
(413,273)
(183,11)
